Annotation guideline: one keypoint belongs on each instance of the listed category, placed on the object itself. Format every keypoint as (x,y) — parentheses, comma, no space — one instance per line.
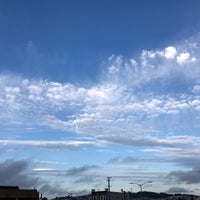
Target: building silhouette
(15,193)
(108,195)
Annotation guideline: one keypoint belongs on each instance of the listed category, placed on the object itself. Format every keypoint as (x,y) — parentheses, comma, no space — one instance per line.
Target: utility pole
(109,186)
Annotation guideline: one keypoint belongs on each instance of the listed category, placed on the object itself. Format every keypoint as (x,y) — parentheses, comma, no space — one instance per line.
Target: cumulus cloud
(170,52)
(185,58)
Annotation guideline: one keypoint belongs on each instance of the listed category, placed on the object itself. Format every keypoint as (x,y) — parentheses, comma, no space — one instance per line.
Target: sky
(91,89)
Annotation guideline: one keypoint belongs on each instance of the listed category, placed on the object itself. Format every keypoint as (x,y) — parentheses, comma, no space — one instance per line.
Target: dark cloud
(85,179)
(177,190)
(189,177)
(83,192)
(15,173)
(72,172)
(78,170)
(52,190)
(146,141)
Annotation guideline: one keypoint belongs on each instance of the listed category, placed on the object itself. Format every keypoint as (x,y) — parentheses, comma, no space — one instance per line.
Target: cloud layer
(150,103)
(130,95)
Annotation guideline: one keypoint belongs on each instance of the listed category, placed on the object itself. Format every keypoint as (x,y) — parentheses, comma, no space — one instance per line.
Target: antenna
(109,186)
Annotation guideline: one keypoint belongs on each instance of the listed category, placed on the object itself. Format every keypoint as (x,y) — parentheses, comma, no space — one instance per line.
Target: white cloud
(195,102)
(170,52)
(133,62)
(133,95)
(196,89)
(102,109)
(150,104)
(183,58)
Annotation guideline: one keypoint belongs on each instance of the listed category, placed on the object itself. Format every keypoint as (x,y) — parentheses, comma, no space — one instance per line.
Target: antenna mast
(109,186)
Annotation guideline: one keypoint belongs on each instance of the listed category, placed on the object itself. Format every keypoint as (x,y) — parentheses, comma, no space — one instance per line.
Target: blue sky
(91,89)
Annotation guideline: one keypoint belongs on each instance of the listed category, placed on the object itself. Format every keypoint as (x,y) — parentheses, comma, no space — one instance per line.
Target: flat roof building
(108,195)
(14,193)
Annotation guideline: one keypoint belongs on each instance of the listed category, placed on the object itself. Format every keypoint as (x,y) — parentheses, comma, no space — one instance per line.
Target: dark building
(14,193)
(108,195)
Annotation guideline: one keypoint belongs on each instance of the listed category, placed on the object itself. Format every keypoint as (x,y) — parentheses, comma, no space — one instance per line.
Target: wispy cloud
(75,171)
(57,145)
(117,160)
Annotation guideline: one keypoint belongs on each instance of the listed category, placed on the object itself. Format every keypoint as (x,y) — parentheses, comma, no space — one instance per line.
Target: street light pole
(140,185)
